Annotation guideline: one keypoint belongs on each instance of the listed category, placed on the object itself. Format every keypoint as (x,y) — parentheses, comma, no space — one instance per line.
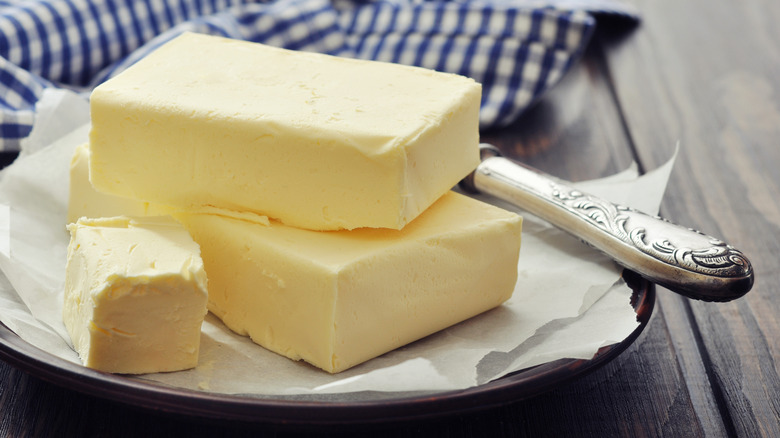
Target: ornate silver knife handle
(684,260)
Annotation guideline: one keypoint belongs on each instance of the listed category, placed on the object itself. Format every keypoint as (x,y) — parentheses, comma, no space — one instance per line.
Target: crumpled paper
(569,300)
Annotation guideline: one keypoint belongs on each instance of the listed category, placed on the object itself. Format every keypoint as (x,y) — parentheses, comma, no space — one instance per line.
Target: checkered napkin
(516,48)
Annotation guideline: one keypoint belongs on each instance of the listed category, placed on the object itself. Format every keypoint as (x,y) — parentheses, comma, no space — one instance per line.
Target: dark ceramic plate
(371,408)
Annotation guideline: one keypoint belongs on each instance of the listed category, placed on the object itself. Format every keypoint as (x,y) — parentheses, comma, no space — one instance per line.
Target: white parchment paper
(569,300)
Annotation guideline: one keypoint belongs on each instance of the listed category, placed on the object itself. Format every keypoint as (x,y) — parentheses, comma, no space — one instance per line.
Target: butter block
(338,298)
(286,273)
(135,294)
(315,141)
(85,201)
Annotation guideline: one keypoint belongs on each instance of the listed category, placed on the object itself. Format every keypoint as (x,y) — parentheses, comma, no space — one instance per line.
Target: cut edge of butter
(135,294)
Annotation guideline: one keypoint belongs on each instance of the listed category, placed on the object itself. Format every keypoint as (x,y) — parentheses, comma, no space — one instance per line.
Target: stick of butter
(135,294)
(315,141)
(338,298)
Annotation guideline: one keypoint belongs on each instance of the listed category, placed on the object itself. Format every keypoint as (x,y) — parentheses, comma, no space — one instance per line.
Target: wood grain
(649,390)
(706,73)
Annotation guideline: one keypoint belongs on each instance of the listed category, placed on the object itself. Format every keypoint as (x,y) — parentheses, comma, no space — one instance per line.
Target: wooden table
(701,72)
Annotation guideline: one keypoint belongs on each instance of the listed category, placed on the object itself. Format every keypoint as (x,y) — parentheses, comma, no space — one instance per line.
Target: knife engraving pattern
(716,257)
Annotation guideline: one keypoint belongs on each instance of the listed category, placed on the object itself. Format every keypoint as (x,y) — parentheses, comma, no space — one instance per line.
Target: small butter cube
(338,298)
(135,294)
(315,141)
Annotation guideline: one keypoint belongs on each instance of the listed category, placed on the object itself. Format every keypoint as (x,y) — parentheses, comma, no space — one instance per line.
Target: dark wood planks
(577,131)
(708,74)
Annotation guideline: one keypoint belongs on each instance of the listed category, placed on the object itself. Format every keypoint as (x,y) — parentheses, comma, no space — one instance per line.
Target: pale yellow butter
(85,201)
(338,298)
(316,141)
(135,294)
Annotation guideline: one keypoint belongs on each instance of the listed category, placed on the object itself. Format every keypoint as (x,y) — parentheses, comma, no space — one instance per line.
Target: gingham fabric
(516,49)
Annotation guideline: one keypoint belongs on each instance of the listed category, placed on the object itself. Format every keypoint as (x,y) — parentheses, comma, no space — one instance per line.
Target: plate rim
(514,387)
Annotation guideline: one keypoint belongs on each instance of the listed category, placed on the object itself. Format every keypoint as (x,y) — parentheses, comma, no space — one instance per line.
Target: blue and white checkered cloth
(516,49)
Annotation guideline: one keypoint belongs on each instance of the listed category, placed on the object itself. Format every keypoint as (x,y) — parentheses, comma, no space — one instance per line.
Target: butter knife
(681,259)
